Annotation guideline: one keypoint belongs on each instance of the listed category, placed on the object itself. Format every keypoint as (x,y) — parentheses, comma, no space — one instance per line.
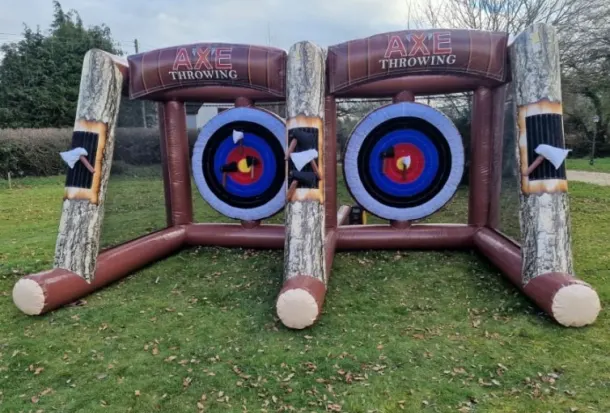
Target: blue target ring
(381,183)
(431,160)
(251,192)
(267,159)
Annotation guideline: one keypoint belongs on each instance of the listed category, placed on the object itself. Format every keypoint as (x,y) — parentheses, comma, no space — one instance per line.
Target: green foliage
(40,75)
(35,152)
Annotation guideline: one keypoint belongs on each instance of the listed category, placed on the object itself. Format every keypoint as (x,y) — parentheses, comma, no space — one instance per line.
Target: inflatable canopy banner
(208,64)
(387,55)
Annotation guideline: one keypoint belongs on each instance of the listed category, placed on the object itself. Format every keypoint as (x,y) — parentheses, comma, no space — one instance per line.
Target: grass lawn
(401,332)
(581,164)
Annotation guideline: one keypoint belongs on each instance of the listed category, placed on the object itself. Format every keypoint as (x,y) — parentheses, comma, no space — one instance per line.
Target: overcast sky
(160,23)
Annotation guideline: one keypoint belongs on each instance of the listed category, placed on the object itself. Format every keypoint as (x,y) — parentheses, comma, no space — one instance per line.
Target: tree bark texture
(546,244)
(305,277)
(99,98)
(544,210)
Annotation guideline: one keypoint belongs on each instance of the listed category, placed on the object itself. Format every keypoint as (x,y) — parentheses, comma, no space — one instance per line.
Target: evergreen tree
(40,75)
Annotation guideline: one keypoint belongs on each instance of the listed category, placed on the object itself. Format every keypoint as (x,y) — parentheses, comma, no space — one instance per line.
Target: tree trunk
(301,298)
(83,206)
(544,209)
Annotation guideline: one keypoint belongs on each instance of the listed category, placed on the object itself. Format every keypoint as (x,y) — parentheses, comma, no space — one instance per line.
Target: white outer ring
(275,124)
(374,119)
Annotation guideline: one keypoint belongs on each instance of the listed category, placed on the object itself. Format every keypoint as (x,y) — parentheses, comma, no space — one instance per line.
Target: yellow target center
(400,165)
(243,166)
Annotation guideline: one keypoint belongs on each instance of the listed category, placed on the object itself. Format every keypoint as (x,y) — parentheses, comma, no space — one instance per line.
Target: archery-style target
(404,161)
(238,163)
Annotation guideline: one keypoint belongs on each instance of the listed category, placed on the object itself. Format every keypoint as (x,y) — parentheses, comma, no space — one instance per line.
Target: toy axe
(551,153)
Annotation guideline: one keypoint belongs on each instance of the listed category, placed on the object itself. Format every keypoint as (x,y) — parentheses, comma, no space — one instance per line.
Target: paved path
(598,178)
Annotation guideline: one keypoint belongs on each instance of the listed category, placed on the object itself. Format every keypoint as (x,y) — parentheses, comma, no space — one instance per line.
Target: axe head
(553,154)
(300,159)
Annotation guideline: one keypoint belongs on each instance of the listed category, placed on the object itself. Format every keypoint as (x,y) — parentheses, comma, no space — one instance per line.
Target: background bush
(35,152)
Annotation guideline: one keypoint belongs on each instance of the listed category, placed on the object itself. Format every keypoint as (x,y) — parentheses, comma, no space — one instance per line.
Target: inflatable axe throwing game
(403,161)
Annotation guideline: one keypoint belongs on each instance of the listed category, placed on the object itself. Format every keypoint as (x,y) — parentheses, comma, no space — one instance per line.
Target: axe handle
(291,148)
(292,189)
(534,165)
(87,164)
(314,166)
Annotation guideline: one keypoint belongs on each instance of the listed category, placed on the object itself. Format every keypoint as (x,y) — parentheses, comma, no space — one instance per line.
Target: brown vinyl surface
(207,64)
(473,53)
(312,285)
(418,236)
(177,171)
(330,158)
(330,245)
(502,252)
(404,96)
(497,133)
(231,235)
(62,287)
(542,289)
(481,145)
(418,84)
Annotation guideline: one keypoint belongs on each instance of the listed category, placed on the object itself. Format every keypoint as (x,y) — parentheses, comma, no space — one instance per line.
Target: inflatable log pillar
(546,250)
(97,109)
(305,276)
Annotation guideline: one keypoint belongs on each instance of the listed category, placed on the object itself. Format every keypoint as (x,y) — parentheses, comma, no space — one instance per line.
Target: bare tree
(584,36)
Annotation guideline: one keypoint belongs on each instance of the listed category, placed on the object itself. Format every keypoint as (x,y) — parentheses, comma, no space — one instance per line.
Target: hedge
(35,152)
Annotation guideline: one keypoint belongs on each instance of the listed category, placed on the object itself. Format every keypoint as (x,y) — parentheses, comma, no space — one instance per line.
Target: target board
(404,161)
(238,163)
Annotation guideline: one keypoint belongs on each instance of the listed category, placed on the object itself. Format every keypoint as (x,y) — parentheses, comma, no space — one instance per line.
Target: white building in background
(198,114)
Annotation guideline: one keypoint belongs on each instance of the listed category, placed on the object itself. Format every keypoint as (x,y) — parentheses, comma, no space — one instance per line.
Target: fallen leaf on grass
(186,382)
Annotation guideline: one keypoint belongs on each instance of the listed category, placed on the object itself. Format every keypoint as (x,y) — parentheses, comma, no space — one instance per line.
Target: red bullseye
(245,176)
(415,169)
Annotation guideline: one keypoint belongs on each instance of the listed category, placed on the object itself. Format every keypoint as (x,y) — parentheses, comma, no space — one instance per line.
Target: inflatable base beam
(570,301)
(46,291)
(232,235)
(417,236)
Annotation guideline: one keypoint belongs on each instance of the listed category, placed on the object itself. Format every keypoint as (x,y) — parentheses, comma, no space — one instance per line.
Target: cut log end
(299,304)
(570,301)
(29,296)
(576,305)
(297,308)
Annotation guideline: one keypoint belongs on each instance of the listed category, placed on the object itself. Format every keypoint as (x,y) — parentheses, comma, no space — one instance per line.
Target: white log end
(297,308)
(28,296)
(576,305)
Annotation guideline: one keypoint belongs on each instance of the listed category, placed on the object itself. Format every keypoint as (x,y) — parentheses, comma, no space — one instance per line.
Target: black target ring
(238,163)
(398,124)
(403,161)
(209,166)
